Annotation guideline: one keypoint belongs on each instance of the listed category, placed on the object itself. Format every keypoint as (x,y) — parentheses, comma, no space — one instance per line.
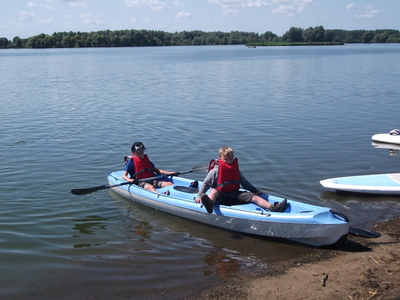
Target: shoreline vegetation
(253,45)
(146,38)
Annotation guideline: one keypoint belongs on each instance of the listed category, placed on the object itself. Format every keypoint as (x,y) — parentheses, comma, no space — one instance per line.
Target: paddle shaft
(200,168)
(84,191)
(90,190)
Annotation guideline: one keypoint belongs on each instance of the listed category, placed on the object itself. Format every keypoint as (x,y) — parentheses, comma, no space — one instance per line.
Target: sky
(28,18)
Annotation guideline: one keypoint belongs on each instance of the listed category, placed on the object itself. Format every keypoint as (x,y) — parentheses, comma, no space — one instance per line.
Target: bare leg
(213,194)
(166,183)
(261,202)
(150,187)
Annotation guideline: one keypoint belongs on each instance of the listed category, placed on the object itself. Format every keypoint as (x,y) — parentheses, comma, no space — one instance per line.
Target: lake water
(294,115)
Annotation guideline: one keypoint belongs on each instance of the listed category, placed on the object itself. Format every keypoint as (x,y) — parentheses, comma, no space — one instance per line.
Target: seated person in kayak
(224,178)
(139,167)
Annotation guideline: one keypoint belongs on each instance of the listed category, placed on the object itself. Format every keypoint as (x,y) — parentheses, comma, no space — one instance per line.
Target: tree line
(141,38)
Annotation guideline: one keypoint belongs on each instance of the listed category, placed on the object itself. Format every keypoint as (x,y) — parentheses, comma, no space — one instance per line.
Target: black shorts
(155,183)
(234,198)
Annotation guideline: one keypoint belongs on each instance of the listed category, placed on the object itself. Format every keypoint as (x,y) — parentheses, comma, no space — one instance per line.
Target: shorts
(155,183)
(234,198)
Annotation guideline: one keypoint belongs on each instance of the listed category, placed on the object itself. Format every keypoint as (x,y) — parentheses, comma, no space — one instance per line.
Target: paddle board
(372,184)
(391,138)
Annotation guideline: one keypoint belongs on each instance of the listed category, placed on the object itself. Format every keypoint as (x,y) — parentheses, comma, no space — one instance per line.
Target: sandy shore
(362,269)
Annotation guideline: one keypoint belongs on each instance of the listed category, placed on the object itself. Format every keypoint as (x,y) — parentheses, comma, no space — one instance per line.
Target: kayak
(391,138)
(372,184)
(300,222)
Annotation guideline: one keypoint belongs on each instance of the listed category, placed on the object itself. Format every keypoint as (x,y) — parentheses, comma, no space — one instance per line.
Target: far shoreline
(253,45)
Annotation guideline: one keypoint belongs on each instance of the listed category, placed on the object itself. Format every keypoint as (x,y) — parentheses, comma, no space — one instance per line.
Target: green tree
(329,36)
(293,35)
(268,36)
(319,34)
(17,42)
(380,38)
(4,42)
(367,37)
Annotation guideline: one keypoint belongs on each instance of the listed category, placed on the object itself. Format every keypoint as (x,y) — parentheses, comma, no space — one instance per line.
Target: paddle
(203,168)
(96,188)
(364,232)
(84,191)
(357,231)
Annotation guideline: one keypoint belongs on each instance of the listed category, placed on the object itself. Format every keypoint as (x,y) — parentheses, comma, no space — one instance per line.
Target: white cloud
(46,21)
(256,3)
(226,4)
(285,7)
(369,12)
(287,10)
(90,20)
(25,16)
(183,14)
(292,8)
(231,7)
(179,3)
(33,4)
(350,6)
(231,12)
(77,4)
(152,4)
(305,3)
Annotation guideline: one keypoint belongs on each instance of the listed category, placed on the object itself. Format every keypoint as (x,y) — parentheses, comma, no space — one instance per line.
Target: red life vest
(143,166)
(228,176)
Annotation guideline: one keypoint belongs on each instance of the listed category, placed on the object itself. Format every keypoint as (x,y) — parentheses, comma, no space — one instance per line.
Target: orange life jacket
(143,166)
(228,176)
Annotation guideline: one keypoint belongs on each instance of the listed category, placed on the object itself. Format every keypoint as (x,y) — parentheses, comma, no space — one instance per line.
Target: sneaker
(279,207)
(194,184)
(165,193)
(207,203)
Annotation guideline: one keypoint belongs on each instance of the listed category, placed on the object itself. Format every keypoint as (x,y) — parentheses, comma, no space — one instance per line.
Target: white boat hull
(304,223)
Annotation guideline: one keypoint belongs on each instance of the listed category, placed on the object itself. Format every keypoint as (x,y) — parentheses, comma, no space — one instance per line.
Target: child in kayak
(139,167)
(225,179)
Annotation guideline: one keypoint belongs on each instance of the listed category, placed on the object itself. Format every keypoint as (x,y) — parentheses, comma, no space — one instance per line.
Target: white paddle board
(371,184)
(386,138)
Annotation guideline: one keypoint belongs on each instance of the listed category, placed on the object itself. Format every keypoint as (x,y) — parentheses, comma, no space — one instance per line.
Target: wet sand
(362,269)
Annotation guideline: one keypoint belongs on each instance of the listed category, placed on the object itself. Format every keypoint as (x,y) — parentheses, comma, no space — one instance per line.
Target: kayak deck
(300,222)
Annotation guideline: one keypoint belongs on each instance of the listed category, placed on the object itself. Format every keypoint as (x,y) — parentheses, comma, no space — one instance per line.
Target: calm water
(294,115)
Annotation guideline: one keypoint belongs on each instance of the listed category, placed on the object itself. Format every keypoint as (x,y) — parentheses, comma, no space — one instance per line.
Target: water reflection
(87,225)
(220,263)
(224,252)
(143,230)
(392,148)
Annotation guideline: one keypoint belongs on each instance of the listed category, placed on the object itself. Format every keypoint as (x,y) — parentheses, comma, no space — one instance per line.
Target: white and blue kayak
(393,137)
(388,184)
(300,222)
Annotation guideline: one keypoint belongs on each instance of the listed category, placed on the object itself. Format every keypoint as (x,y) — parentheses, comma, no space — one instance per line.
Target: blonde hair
(225,151)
